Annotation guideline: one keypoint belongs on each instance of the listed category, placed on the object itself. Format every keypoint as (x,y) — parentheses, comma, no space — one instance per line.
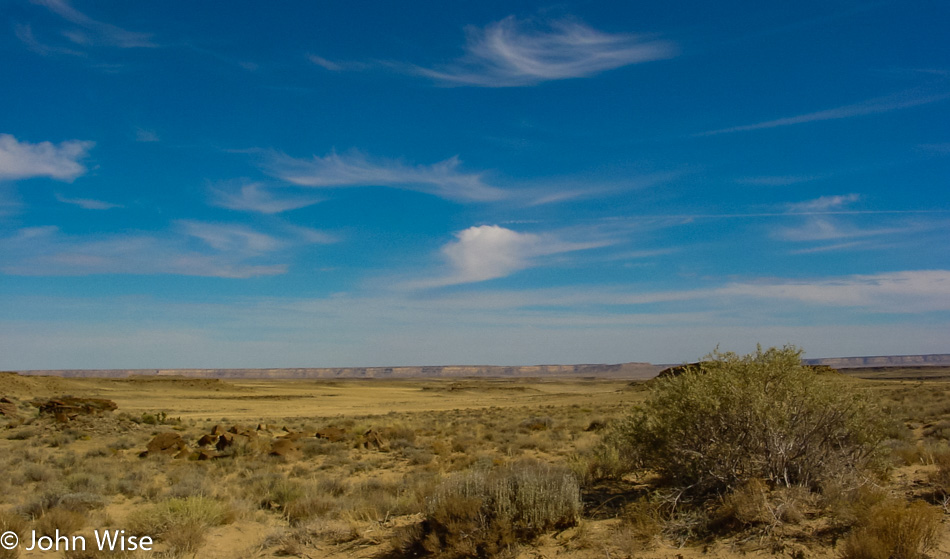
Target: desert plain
(244,468)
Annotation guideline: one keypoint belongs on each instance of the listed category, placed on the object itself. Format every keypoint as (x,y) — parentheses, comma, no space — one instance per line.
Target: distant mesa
(702,368)
(621,370)
(931,360)
(631,371)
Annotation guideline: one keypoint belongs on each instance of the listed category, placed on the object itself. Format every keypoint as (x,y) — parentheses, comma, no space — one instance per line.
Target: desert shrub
(745,506)
(80,502)
(599,463)
(59,519)
(642,521)
(309,506)
(894,529)
(760,416)
(941,477)
(274,491)
(537,423)
(180,523)
(905,453)
(24,433)
(939,430)
(189,482)
(38,473)
(478,514)
(11,522)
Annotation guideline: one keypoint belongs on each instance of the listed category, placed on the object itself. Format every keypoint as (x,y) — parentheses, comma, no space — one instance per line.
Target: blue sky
(346,184)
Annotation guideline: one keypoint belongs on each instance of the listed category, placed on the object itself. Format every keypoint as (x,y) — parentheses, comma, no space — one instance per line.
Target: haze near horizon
(309,185)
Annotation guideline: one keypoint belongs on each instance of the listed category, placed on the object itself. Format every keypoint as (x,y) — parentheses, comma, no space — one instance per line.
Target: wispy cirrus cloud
(24,32)
(826,219)
(191,248)
(545,191)
(88,203)
(906,291)
(871,106)
(146,136)
(778,180)
(823,203)
(232,238)
(337,65)
(21,160)
(489,252)
(92,32)
(444,179)
(942,148)
(256,197)
(511,53)
(827,229)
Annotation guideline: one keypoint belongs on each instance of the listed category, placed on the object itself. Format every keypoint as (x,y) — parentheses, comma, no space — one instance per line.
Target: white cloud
(88,204)
(443,179)
(869,107)
(24,33)
(95,32)
(906,291)
(192,248)
(255,197)
(145,135)
(230,237)
(826,229)
(828,219)
(823,229)
(490,251)
(778,180)
(324,63)
(823,204)
(909,291)
(21,160)
(337,66)
(508,53)
(943,148)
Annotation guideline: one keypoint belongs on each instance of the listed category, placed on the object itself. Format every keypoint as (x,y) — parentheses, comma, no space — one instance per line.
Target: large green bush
(762,416)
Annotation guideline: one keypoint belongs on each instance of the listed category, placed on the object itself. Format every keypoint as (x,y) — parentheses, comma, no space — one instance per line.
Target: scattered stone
(67,408)
(8,409)
(206,440)
(596,425)
(332,434)
(284,448)
(372,440)
(225,440)
(168,443)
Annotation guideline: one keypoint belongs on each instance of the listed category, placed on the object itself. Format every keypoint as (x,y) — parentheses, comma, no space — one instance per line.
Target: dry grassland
(347,469)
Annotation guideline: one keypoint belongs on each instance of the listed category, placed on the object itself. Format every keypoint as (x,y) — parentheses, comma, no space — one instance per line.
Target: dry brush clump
(180,524)
(894,529)
(483,513)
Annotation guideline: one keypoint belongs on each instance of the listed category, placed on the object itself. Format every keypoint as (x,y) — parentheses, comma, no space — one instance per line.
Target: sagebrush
(761,416)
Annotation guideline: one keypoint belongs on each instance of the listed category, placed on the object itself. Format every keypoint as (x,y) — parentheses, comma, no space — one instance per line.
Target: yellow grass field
(386,446)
